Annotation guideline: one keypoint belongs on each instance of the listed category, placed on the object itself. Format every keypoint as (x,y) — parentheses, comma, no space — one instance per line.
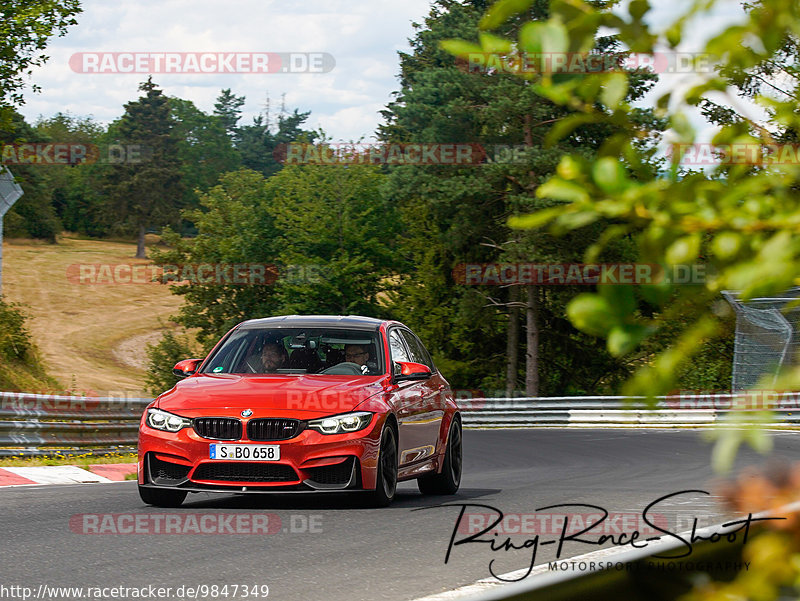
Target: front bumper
(309,462)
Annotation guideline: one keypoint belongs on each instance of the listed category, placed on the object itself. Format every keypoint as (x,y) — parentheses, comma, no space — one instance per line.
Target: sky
(362,38)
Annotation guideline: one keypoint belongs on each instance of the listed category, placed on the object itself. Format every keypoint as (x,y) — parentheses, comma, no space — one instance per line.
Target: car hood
(305,396)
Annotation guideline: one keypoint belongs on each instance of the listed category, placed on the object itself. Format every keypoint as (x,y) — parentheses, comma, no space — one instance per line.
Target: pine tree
(146,191)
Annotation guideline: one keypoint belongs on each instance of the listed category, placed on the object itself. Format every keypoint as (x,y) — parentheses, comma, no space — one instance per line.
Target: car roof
(315,321)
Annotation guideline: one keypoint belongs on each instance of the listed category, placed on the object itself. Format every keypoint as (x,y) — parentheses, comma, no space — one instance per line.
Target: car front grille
(245,472)
(273,429)
(218,428)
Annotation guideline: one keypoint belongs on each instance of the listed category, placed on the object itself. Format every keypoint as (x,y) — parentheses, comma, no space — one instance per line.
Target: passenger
(356,353)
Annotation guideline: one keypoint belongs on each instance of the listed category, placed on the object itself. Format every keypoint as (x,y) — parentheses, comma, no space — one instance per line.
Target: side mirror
(186,368)
(408,370)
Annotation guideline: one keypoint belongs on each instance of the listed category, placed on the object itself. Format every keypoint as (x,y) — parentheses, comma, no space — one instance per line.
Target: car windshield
(298,351)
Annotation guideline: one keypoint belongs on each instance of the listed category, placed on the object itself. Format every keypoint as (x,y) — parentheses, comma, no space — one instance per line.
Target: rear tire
(448,481)
(386,481)
(161,497)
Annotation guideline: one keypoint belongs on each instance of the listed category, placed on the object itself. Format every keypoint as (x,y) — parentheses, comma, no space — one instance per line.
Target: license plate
(245,452)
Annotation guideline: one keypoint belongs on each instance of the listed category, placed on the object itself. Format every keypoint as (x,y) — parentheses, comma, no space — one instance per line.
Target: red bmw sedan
(303,403)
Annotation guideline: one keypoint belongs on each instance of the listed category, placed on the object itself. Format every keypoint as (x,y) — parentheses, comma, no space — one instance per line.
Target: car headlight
(169,422)
(341,424)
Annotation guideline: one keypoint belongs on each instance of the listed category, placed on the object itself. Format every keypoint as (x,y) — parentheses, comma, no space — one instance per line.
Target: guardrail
(35,424)
(690,411)
(32,424)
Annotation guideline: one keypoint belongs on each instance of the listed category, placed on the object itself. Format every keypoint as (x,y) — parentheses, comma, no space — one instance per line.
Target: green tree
(205,150)
(233,227)
(148,193)
(72,188)
(336,238)
(228,108)
(25,27)
(33,214)
(259,144)
(162,356)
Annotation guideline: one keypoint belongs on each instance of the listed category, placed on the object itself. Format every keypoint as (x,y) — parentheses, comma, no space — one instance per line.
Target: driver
(273,357)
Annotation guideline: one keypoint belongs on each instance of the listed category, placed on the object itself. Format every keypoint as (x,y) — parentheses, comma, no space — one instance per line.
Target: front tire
(161,497)
(386,481)
(448,481)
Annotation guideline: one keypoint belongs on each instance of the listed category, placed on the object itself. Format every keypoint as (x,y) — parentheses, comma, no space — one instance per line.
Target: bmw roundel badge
(247,413)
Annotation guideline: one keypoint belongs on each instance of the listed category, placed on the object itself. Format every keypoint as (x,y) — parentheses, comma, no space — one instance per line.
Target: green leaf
(684,250)
(724,452)
(609,175)
(537,219)
(568,124)
(624,338)
(501,11)
(726,245)
(494,44)
(681,126)
(560,189)
(569,167)
(549,37)
(592,314)
(461,48)
(615,89)
(674,33)
(638,8)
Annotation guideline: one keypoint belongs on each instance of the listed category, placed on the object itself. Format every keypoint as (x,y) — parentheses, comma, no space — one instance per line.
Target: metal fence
(33,424)
(767,337)
(689,411)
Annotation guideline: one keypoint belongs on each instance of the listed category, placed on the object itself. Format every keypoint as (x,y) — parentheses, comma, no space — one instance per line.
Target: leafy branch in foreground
(740,218)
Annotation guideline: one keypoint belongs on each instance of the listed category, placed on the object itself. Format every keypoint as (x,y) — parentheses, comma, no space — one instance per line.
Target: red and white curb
(65,474)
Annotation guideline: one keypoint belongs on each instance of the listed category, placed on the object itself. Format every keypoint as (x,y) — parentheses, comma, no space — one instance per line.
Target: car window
(397,347)
(419,353)
(299,350)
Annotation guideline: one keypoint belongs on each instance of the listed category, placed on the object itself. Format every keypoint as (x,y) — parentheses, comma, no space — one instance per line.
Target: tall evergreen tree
(228,108)
(258,142)
(147,193)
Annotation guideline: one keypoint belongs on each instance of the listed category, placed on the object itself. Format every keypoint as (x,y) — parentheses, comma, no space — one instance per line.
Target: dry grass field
(91,337)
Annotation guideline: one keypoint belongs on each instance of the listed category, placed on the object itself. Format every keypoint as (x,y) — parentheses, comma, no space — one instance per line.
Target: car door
(407,398)
(432,410)
(415,442)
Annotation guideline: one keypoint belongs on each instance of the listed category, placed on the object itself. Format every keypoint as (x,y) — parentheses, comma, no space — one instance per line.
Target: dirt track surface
(92,337)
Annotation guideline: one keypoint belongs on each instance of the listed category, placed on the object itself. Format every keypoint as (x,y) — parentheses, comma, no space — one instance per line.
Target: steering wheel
(345,368)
